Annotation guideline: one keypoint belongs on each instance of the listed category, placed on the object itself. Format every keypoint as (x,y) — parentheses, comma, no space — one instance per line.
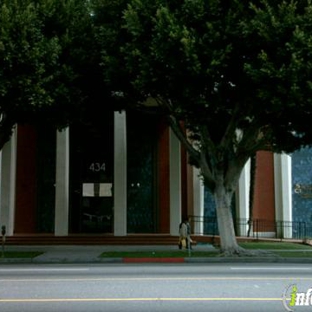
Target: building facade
(118,176)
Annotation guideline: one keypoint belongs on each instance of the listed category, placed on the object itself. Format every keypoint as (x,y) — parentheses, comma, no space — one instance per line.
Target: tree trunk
(228,241)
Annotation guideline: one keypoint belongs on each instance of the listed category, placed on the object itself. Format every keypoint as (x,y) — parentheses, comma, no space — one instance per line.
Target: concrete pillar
(62,183)
(198,199)
(175,183)
(242,199)
(120,174)
(7,189)
(283,194)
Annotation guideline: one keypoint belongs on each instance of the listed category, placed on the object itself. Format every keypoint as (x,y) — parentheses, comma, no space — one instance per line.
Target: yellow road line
(122,279)
(34,300)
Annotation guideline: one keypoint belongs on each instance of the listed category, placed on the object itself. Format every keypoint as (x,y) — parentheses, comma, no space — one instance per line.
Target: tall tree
(48,65)
(236,73)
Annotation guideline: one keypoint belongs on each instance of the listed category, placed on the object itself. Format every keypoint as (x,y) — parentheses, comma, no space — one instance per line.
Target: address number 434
(96,167)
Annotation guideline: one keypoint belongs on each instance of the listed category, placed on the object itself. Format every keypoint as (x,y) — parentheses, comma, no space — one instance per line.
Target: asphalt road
(152,287)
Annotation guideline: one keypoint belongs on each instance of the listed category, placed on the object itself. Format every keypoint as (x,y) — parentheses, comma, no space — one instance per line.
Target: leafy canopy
(48,62)
(245,64)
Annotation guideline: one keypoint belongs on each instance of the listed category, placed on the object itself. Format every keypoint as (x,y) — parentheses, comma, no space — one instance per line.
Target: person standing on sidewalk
(189,240)
(185,240)
(183,235)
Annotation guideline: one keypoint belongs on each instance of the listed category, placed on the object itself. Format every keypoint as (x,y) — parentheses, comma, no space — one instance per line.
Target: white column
(283,192)
(175,183)
(62,183)
(120,174)
(242,199)
(198,199)
(8,178)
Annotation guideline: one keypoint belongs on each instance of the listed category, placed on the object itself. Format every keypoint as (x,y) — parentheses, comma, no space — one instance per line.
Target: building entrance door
(91,176)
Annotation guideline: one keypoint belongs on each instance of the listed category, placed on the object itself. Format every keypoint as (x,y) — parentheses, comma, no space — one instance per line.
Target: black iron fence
(256,228)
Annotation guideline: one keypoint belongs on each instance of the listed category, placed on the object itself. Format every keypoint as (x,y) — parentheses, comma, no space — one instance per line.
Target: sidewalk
(90,254)
(80,254)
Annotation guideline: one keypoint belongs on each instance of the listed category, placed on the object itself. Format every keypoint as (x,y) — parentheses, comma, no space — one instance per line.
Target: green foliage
(48,61)
(217,56)
(238,74)
(24,50)
(281,69)
(275,245)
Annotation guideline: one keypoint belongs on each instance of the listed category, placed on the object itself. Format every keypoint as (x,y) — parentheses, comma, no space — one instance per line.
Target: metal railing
(255,228)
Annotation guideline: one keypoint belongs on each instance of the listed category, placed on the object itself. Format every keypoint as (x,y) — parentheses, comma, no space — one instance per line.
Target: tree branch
(208,145)
(253,139)
(181,135)
(206,171)
(231,128)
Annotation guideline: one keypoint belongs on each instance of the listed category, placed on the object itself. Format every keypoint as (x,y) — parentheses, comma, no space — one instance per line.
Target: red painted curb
(151,260)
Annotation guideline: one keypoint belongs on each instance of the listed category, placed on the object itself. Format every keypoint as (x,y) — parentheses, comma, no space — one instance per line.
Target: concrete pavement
(85,254)
(91,253)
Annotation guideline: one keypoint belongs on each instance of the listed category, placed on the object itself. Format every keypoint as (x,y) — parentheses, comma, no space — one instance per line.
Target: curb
(153,260)
(248,260)
(178,260)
